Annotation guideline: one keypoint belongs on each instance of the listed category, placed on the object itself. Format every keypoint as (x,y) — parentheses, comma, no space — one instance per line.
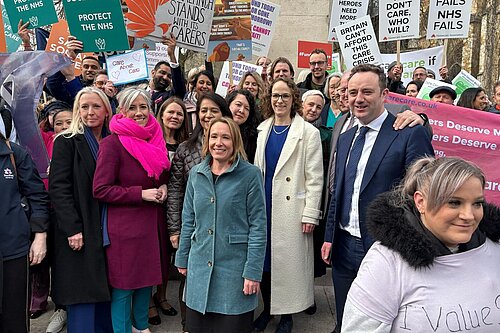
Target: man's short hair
(91,58)
(420,67)
(284,61)
(159,63)
(319,51)
(369,68)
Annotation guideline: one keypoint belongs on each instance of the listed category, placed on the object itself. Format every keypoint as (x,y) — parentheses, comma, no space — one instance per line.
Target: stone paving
(321,322)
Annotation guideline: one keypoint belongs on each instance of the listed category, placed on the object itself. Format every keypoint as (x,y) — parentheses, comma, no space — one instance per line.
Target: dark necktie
(350,174)
(331,175)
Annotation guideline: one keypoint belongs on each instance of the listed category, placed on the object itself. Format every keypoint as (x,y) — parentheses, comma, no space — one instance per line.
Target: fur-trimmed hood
(399,228)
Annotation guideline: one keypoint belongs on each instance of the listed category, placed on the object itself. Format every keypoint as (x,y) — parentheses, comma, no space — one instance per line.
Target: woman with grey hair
(434,265)
(331,111)
(130,179)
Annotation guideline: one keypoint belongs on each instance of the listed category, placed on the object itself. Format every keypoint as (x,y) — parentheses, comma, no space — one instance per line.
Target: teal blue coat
(223,237)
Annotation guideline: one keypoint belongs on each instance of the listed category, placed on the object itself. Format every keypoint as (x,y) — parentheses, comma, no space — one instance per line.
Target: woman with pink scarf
(130,177)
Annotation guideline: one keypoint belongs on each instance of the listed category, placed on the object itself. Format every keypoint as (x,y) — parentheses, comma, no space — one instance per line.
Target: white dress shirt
(353,226)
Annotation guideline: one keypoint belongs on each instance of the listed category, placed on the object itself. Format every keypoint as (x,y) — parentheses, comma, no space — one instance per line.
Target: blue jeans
(347,254)
(123,302)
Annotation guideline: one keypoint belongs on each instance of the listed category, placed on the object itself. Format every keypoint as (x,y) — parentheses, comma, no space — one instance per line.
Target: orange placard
(3,42)
(57,43)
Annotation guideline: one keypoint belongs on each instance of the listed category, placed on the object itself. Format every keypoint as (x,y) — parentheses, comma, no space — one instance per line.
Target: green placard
(12,40)
(37,12)
(98,24)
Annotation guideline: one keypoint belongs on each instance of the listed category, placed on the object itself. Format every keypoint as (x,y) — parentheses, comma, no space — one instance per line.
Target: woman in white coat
(289,155)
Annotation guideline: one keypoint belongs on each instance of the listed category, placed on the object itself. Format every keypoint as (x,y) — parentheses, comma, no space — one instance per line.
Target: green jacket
(223,237)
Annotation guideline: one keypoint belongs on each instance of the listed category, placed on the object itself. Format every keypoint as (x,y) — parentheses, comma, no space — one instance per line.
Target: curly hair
(267,106)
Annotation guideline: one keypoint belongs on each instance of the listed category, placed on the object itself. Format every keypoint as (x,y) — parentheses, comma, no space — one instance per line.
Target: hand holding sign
(23,31)
(73,46)
(171,43)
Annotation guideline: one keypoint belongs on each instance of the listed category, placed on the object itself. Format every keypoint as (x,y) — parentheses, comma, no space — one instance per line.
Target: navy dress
(274,146)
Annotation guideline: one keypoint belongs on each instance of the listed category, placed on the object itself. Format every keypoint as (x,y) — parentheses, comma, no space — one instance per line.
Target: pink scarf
(145,144)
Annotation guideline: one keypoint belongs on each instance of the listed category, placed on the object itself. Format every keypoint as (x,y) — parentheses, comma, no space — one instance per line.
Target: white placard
(449,19)
(160,54)
(428,58)
(429,85)
(345,11)
(239,68)
(128,67)
(264,17)
(358,42)
(399,19)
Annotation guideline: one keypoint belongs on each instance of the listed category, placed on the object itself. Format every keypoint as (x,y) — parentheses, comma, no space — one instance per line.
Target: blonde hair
(234,129)
(437,179)
(77,125)
(127,96)
(258,79)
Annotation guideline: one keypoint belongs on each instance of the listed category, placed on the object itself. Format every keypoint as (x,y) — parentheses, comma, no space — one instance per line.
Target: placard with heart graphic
(128,67)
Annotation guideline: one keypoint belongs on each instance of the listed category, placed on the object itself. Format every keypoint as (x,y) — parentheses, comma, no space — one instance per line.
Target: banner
(470,134)
(189,21)
(304,49)
(429,58)
(128,67)
(98,24)
(358,42)
(22,95)
(336,63)
(264,17)
(429,85)
(399,19)
(231,36)
(37,12)
(57,43)
(464,80)
(9,41)
(239,68)
(344,12)
(448,19)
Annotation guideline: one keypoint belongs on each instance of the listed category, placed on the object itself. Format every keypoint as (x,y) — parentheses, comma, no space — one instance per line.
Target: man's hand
(407,118)
(76,241)
(174,239)
(443,72)
(171,43)
(110,89)
(326,250)
(24,32)
(73,45)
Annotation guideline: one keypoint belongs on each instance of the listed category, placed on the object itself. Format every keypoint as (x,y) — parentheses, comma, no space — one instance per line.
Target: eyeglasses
(319,63)
(100,83)
(284,97)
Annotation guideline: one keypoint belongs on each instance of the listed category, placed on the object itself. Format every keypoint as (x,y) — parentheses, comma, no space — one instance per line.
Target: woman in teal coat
(223,236)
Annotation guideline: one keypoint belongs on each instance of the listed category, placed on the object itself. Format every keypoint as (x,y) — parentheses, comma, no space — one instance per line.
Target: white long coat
(296,199)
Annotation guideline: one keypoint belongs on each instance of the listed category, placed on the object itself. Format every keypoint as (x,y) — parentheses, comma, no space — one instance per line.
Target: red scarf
(145,144)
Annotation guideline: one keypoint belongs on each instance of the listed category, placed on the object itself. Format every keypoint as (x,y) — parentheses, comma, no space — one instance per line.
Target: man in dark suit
(371,158)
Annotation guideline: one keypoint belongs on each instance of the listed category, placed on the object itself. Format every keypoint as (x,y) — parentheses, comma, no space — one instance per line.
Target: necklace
(281,132)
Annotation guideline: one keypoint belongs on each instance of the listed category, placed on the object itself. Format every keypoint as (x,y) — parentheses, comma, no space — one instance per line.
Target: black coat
(78,276)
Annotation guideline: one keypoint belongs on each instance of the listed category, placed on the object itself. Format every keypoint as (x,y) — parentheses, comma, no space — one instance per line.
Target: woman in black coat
(79,272)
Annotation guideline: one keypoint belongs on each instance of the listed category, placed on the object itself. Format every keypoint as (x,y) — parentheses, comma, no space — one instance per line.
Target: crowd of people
(253,194)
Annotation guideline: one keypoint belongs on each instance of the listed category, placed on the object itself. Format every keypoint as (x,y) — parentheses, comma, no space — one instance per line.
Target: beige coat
(296,199)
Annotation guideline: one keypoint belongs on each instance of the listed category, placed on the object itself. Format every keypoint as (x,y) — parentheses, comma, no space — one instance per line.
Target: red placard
(304,49)
(470,134)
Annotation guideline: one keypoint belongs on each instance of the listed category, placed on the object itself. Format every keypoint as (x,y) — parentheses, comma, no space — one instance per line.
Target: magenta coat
(135,226)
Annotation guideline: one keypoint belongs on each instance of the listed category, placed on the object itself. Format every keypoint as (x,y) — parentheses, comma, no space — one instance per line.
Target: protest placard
(128,67)
(239,68)
(3,41)
(336,63)
(12,40)
(448,19)
(98,24)
(57,43)
(345,11)
(398,19)
(464,80)
(189,21)
(37,12)
(430,84)
(358,42)
(470,134)
(429,58)
(231,34)
(159,54)
(264,17)
(304,49)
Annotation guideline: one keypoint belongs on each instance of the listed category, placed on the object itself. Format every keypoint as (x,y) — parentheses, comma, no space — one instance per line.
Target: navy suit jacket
(392,153)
